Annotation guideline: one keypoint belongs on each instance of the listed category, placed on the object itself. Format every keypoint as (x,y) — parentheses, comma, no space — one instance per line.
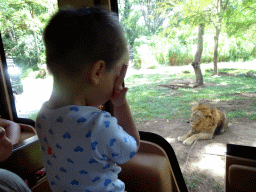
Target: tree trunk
(36,47)
(34,34)
(8,29)
(215,54)
(217,25)
(197,59)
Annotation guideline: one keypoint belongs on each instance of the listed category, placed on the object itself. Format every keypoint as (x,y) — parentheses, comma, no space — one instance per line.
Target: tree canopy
(21,26)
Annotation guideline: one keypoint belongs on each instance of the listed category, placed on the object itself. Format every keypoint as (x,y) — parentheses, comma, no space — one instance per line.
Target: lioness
(206,121)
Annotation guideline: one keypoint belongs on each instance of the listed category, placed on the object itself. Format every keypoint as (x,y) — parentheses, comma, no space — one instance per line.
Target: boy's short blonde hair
(75,37)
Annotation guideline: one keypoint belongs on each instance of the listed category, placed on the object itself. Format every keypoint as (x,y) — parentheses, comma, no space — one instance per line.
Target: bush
(144,58)
(29,72)
(143,53)
(23,51)
(155,51)
(150,52)
(161,49)
(229,49)
(179,55)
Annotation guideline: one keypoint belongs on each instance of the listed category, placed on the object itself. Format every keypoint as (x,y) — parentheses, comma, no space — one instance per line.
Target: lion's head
(203,118)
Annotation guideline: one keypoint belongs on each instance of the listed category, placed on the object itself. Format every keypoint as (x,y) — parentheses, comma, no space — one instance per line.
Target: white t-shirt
(81,146)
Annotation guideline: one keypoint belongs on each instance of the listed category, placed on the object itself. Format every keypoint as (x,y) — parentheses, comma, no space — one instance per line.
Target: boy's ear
(97,70)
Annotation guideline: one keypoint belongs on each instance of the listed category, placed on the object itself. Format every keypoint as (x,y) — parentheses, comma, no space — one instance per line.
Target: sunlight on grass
(224,83)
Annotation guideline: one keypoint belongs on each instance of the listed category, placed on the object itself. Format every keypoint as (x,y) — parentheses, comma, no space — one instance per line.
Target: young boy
(87,55)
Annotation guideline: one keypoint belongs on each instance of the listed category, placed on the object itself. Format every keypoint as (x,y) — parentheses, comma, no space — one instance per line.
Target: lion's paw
(188,141)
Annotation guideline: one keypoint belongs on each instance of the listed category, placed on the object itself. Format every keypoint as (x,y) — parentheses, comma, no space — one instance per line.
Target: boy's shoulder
(71,111)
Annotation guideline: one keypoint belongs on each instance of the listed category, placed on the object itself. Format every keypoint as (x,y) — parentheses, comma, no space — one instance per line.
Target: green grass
(218,187)
(231,71)
(149,101)
(193,181)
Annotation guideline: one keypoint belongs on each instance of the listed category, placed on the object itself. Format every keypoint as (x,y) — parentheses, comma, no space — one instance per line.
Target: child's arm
(126,121)
(13,130)
(121,107)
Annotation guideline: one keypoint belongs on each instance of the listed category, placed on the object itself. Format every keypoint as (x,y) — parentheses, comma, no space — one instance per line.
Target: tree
(240,18)
(129,19)
(142,18)
(216,15)
(197,59)
(154,13)
(195,15)
(21,26)
(207,12)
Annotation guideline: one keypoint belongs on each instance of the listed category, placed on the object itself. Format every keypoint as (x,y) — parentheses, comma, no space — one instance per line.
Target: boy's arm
(126,121)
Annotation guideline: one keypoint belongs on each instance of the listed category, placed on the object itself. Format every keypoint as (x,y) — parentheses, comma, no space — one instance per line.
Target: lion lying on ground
(206,121)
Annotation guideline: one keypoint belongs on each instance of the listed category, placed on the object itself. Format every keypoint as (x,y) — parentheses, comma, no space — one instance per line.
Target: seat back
(153,168)
(148,170)
(240,168)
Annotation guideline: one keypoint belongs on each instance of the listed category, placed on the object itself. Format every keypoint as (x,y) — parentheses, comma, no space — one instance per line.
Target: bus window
(21,26)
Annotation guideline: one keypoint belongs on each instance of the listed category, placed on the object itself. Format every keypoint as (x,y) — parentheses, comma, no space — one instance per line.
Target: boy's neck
(63,96)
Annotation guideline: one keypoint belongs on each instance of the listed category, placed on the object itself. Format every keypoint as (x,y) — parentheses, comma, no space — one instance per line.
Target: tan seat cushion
(242,178)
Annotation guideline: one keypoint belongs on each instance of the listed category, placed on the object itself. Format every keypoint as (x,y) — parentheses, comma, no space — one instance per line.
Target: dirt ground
(205,167)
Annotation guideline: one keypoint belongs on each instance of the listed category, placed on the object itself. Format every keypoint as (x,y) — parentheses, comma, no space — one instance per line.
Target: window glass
(21,26)
(218,38)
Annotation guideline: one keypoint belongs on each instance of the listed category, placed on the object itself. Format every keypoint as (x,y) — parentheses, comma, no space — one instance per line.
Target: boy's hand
(119,92)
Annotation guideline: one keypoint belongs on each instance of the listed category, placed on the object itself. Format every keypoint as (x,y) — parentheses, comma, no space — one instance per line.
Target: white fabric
(81,146)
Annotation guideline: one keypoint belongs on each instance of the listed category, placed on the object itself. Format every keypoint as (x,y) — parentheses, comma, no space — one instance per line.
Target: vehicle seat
(153,168)
(27,131)
(240,168)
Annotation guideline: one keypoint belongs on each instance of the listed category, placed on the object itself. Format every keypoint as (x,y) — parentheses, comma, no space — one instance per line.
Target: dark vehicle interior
(153,168)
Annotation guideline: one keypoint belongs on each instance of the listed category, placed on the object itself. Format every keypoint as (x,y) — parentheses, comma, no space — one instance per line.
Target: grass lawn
(149,101)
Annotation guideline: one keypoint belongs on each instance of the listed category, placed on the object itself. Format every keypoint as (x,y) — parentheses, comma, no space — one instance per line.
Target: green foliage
(165,51)
(132,28)
(30,72)
(180,50)
(143,18)
(144,53)
(26,73)
(23,52)
(240,18)
(154,13)
(179,54)
(176,43)
(230,49)
(21,26)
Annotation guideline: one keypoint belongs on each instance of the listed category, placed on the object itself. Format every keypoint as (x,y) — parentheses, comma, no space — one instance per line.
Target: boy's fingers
(119,98)
(120,78)
(124,70)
